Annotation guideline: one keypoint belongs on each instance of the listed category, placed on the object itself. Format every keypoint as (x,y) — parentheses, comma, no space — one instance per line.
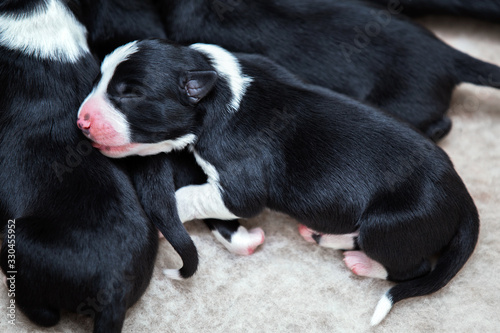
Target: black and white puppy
(111,23)
(366,51)
(156,176)
(265,139)
(82,242)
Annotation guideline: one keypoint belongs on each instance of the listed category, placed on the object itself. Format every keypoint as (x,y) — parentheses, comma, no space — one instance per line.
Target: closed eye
(128,90)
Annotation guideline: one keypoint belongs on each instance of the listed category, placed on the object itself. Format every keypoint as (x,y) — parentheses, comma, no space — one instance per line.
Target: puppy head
(145,99)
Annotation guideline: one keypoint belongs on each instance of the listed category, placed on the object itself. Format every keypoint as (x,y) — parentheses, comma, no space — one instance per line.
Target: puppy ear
(195,85)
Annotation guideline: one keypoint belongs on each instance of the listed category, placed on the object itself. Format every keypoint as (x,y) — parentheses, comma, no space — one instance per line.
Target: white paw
(243,242)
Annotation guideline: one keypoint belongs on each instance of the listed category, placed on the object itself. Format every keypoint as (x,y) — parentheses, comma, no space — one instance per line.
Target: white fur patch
(111,61)
(50,33)
(243,242)
(381,311)
(173,274)
(229,68)
(166,146)
(146,149)
(112,116)
(338,242)
(209,169)
(201,202)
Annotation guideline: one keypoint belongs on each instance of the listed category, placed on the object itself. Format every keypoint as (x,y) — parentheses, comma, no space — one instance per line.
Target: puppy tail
(453,258)
(176,234)
(471,70)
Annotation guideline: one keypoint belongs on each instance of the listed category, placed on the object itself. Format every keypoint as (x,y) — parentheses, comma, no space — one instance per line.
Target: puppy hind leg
(360,264)
(236,238)
(336,242)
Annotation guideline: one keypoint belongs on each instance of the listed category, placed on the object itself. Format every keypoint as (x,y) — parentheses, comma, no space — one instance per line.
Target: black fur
(112,23)
(332,163)
(82,241)
(15,7)
(479,9)
(154,179)
(368,52)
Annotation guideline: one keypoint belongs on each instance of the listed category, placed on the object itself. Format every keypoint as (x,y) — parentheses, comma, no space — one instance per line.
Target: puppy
(82,242)
(159,176)
(368,52)
(265,139)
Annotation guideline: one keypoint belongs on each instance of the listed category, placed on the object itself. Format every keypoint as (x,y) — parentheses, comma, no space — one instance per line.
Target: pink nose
(84,123)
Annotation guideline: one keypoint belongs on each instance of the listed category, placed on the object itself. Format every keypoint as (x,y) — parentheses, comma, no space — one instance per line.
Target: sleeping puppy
(111,23)
(82,242)
(365,51)
(160,176)
(265,139)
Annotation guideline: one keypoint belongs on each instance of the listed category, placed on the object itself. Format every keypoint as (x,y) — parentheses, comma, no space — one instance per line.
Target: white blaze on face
(105,124)
(108,127)
(51,33)
(111,61)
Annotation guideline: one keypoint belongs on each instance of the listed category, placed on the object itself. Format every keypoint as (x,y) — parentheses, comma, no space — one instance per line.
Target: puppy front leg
(202,202)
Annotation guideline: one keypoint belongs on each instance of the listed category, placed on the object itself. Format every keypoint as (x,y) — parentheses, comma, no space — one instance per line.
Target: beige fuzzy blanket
(290,285)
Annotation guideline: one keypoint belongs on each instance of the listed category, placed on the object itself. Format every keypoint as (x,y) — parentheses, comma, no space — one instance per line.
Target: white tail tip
(173,274)
(382,309)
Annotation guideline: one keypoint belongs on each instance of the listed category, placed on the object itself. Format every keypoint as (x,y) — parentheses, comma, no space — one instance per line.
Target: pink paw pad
(360,264)
(307,233)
